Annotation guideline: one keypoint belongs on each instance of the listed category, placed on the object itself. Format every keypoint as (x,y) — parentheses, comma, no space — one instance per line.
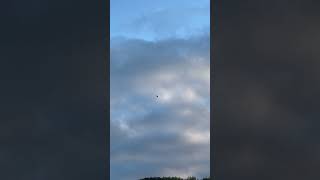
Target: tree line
(173,178)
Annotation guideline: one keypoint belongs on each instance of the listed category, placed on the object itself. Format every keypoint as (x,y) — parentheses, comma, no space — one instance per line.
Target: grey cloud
(161,150)
(153,132)
(136,58)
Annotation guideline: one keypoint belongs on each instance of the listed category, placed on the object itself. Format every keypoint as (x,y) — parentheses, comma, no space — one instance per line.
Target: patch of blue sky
(155,20)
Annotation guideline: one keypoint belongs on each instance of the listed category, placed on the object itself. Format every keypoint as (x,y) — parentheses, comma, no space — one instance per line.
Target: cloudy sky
(159,48)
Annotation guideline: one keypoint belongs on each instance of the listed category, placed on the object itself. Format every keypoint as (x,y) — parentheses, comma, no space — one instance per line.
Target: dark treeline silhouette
(173,178)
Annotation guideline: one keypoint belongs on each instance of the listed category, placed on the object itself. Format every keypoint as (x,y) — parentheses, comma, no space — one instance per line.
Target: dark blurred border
(54,95)
(266,90)
(213,31)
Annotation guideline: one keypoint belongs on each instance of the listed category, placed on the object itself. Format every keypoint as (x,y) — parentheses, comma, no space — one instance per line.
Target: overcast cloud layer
(166,135)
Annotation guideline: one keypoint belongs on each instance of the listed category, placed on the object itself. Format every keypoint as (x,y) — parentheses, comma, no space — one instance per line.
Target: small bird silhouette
(157,96)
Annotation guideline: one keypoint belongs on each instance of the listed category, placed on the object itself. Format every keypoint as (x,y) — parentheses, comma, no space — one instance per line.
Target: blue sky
(159,48)
(151,19)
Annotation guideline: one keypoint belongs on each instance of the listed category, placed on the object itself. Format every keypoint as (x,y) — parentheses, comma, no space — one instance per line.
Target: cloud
(160,136)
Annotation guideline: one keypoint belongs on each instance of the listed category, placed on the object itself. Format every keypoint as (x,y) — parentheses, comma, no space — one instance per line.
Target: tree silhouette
(173,178)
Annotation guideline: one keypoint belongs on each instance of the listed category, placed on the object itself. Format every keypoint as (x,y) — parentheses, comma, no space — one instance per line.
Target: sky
(53,92)
(159,48)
